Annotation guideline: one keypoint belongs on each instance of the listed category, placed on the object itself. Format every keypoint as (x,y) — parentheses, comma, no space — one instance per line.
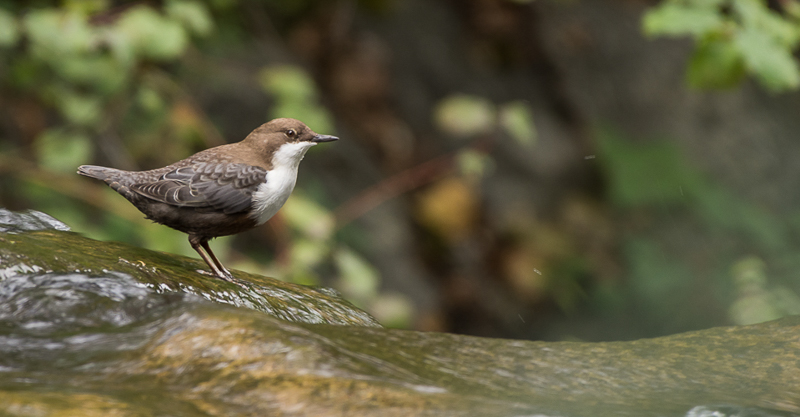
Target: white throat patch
(273,193)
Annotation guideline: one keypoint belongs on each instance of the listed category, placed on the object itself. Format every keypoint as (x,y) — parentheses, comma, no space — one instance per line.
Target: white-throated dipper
(219,191)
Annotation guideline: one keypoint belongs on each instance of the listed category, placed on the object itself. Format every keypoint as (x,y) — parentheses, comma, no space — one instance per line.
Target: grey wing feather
(173,192)
(225,187)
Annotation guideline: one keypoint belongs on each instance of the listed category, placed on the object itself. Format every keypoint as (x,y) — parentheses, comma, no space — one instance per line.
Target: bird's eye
(290,133)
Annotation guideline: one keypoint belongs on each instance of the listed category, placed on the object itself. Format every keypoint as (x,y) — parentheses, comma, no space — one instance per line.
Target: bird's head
(284,141)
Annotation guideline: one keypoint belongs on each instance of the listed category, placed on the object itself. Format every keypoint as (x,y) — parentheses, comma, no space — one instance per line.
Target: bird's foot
(225,276)
(223,273)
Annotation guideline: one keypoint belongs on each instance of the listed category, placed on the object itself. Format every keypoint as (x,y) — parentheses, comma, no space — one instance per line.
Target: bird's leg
(198,244)
(220,267)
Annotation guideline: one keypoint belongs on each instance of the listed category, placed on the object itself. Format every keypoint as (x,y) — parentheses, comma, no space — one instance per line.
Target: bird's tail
(100,173)
(115,178)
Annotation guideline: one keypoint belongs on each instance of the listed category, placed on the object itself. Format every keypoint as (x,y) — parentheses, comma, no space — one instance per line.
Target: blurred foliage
(57,149)
(654,184)
(97,72)
(296,96)
(75,74)
(758,301)
(463,117)
(734,38)
(517,120)
(450,208)
(656,175)
(543,262)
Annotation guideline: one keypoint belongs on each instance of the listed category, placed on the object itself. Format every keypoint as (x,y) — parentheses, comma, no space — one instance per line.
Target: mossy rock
(96,328)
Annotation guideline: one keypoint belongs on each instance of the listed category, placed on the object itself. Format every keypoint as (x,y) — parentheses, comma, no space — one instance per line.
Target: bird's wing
(225,187)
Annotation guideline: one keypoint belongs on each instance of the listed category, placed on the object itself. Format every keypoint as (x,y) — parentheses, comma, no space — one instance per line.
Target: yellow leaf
(450,208)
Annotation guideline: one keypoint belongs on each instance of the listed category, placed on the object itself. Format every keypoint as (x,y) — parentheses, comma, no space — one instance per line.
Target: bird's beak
(324,138)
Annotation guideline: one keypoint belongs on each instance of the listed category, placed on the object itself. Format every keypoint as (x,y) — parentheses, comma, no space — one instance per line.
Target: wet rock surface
(48,254)
(101,328)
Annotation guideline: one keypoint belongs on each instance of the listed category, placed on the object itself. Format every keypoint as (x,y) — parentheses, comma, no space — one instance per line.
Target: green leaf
(314,116)
(357,278)
(474,164)
(62,151)
(757,302)
(150,100)
(54,33)
(79,109)
(757,16)
(392,310)
(307,253)
(99,71)
(295,95)
(678,19)
(773,64)
(193,15)
(734,37)
(517,119)
(152,35)
(465,115)
(309,217)
(9,32)
(288,82)
(122,47)
(715,64)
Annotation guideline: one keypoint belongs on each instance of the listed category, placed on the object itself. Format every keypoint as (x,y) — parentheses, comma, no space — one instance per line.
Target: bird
(220,191)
